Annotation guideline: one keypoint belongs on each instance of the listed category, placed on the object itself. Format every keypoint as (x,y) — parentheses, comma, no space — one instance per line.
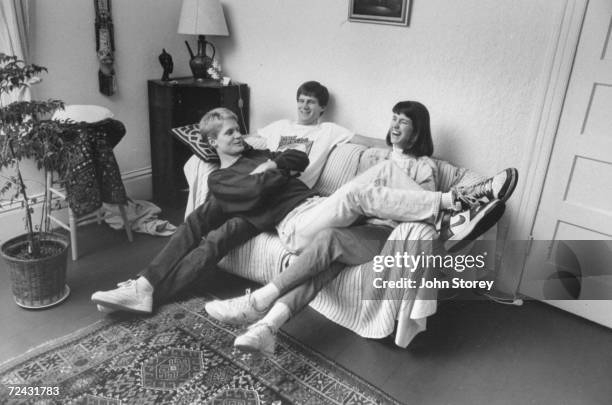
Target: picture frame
(390,12)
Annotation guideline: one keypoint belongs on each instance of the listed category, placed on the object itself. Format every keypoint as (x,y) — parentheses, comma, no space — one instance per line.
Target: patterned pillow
(190,136)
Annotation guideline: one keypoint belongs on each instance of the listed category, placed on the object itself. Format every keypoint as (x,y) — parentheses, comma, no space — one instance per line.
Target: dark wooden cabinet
(181,102)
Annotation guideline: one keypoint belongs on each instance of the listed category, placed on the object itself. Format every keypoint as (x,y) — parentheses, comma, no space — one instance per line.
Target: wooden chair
(90,114)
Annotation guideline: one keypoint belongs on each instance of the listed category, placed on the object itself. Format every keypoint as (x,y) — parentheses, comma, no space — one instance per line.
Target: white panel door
(576,201)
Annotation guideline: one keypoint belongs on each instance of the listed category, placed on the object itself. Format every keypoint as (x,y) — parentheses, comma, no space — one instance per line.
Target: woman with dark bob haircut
(421,143)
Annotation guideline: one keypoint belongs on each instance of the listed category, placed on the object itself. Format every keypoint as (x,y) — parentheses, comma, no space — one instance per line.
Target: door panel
(576,201)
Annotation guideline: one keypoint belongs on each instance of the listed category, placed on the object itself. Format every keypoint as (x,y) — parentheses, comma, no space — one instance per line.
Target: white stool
(90,114)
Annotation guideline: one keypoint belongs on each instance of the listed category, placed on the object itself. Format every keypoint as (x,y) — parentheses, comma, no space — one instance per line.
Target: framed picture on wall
(393,12)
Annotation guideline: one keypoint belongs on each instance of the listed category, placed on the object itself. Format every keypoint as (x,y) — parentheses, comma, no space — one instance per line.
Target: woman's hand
(267,165)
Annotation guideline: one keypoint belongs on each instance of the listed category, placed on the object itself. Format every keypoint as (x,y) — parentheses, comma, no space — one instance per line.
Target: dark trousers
(197,246)
(324,258)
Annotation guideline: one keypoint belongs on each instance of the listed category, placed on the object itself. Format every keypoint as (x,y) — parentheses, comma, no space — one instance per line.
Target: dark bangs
(422,144)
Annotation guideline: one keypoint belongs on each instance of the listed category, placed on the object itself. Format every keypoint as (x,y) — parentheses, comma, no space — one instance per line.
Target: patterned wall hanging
(105,46)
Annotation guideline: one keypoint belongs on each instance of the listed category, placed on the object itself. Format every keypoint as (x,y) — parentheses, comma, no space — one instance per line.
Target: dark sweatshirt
(265,198)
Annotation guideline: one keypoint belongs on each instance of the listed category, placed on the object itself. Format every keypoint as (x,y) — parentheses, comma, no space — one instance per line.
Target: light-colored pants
(383,191)
(330,252)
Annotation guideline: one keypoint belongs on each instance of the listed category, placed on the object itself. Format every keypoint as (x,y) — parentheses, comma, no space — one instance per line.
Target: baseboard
(138,183)
(138,186)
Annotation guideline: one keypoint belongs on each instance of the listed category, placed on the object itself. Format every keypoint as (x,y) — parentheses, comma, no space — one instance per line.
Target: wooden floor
(474,352)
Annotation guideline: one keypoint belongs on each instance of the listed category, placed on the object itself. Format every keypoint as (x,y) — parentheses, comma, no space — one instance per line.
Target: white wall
(475,63)
(64,41)
(479,65)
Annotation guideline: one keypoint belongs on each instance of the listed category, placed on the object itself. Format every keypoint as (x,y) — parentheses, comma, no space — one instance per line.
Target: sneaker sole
(480,224)
(509,189)
(104,309)
(119,307)
(247,348)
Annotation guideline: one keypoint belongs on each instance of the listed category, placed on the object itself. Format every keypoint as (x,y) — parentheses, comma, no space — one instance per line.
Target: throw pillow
(191,137)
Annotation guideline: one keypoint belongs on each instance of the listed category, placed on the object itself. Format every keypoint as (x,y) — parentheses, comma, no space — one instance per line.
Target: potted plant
(37,260)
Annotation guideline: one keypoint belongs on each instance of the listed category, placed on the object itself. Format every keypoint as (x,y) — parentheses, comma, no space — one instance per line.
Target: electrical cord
(240,108)
(506,301)
(516,301)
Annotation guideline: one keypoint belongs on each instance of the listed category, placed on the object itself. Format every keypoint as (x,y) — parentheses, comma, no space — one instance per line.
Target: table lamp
(202,17)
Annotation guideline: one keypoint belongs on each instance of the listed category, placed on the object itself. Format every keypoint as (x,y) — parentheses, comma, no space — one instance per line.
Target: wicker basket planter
(37,283)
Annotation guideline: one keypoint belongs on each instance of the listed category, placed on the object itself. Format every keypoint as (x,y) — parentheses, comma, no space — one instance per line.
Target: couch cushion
(341,166)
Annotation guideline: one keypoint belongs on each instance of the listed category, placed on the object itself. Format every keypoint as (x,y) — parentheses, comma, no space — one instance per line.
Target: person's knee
(325,238)
(328,242)
(235,229)
(195,220)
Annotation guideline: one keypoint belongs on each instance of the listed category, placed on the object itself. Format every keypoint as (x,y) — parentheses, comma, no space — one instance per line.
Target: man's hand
(268,165)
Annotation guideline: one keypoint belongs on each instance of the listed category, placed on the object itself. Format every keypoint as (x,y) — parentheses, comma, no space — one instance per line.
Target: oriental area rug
(177,356)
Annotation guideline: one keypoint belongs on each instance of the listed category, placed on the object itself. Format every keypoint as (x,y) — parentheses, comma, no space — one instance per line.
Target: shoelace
(483,189)
(468,200)
(247,302)
(125,284)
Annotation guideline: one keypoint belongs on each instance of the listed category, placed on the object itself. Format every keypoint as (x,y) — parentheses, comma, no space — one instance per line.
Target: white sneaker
(127,297)
(460,228)
(260,337)
(105,310)
(235,311)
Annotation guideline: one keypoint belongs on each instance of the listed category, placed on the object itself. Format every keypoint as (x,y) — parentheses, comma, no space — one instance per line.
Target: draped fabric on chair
(92,174)
(14,38)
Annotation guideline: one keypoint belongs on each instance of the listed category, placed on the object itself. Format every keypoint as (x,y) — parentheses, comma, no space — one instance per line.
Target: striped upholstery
(259,259)
(341,301)
(341,166)
(451,176)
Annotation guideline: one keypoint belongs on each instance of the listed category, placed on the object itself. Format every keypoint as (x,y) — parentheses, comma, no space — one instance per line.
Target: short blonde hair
(211,122)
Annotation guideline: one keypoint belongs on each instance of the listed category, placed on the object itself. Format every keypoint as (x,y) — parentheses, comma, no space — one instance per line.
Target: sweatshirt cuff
(279,164)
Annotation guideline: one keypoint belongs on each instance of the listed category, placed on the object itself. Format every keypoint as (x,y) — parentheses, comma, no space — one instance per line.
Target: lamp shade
(202,17)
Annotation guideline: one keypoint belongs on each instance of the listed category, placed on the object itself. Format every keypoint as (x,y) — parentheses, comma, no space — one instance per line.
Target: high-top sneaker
(499,187)
(459,228)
